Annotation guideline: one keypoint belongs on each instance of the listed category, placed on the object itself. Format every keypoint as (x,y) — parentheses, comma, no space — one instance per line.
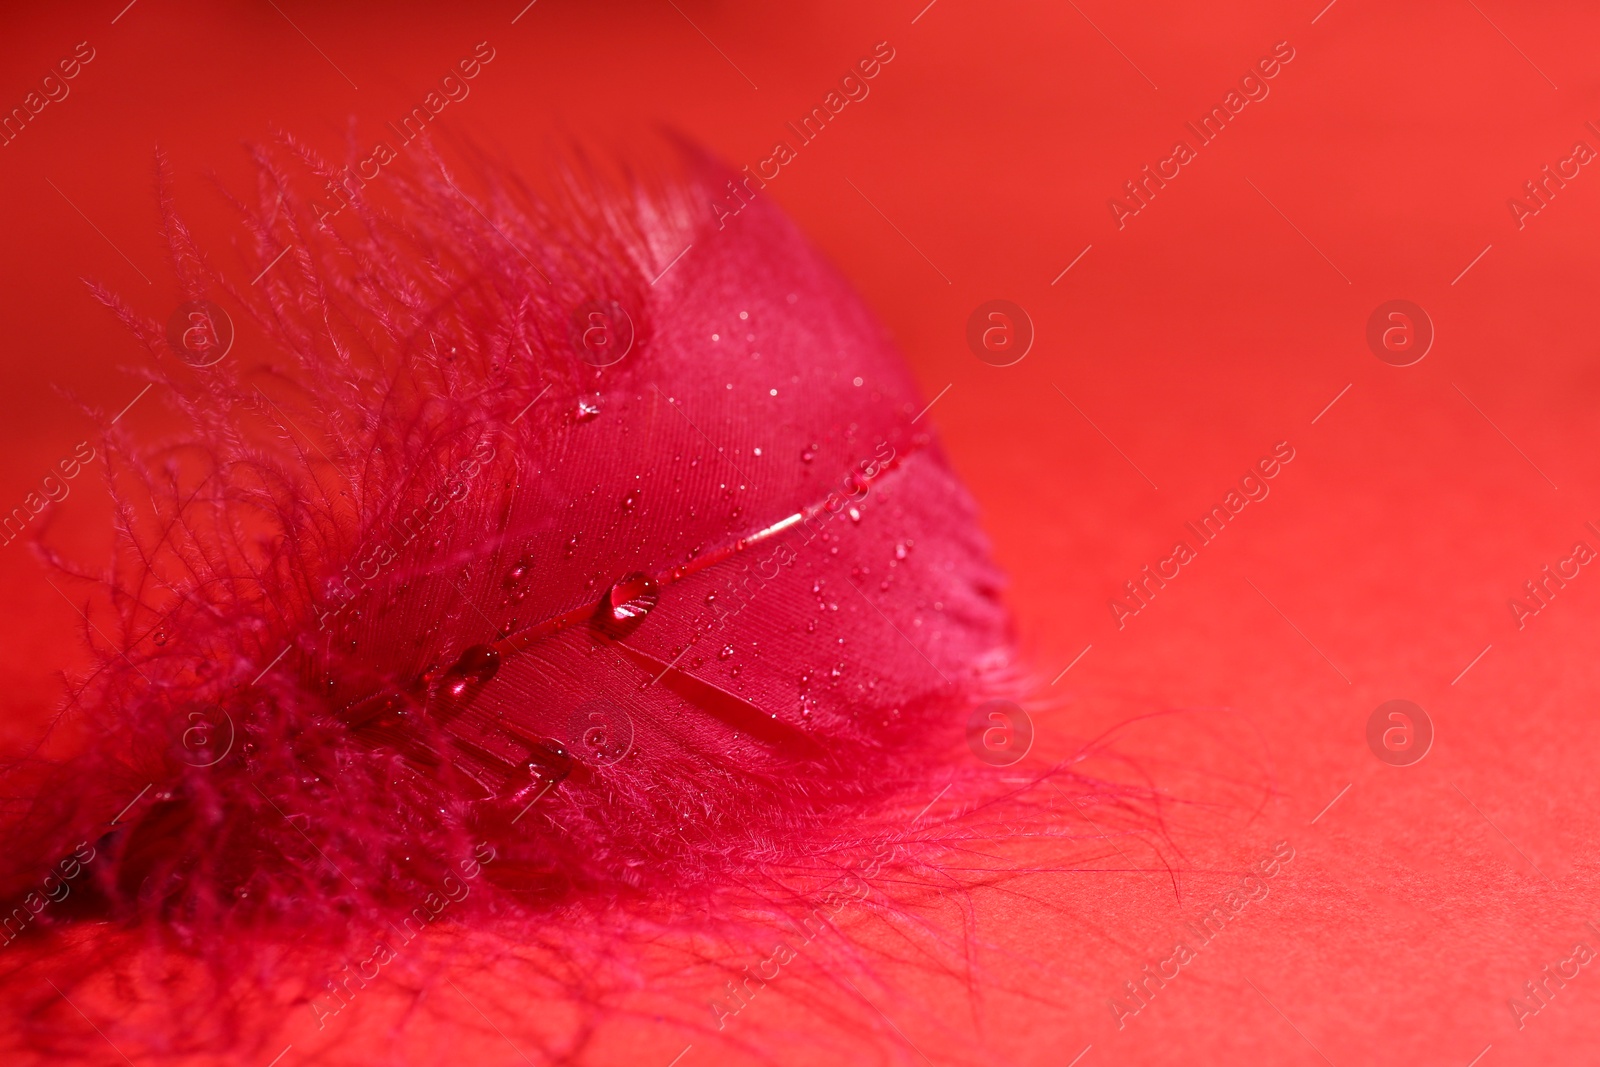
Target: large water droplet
(477,665)
(588,408)
(516,574)
(549,763)
(550,755)
(630,600)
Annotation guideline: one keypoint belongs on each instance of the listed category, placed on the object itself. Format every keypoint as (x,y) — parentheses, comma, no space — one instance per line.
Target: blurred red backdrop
(1220,319)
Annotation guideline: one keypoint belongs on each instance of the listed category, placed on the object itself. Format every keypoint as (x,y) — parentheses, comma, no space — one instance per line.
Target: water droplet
(735,670)
(902,550)
(711,598)
(477,665)
(588,408)
(858,383)
(631,599)
(757,451)
(727,652)
(630,501)
(549,763)
(159,637)
(811,626)
(855,515)
(517,573)
(570,547)
(809,453)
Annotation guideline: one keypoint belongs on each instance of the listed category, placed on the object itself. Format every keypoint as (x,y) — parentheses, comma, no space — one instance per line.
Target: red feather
(580,533)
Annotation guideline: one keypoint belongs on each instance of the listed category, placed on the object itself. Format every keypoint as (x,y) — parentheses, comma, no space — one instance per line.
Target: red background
(1206,330)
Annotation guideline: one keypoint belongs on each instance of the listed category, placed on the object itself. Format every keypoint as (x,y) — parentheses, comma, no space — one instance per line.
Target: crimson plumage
(438,571)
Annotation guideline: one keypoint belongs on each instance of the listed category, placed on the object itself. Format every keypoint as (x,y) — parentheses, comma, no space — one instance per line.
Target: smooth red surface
(1205,331)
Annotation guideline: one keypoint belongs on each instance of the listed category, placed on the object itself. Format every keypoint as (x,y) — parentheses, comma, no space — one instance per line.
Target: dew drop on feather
(517,573)
(549,764)
(632,598)
(476,666)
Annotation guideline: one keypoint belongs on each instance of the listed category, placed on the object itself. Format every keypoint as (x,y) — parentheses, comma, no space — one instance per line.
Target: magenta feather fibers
(570,541)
